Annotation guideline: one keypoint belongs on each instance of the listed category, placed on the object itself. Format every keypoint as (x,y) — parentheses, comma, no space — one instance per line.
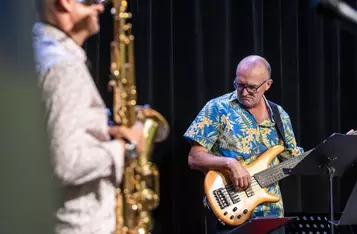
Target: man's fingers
(118,131)
(112,131)
(249,180)
(243,183)
(139,124)
(350,131)
(236,183)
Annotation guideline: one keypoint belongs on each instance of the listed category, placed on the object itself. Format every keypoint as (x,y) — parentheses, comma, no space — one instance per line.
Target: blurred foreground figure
(27,192)
(86,162)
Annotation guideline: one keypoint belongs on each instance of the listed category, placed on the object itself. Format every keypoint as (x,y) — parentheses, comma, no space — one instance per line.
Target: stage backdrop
(187,52)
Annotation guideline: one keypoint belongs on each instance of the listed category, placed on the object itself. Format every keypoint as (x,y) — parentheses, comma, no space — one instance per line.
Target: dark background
(187,52)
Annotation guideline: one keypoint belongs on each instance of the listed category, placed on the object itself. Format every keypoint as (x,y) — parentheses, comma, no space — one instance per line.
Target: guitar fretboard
(276,173)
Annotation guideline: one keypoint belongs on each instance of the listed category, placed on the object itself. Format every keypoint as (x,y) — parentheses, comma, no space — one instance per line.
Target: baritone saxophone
(138,193)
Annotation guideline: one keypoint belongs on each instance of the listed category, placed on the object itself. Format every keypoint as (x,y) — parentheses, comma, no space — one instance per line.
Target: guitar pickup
(249,192)
(233,194)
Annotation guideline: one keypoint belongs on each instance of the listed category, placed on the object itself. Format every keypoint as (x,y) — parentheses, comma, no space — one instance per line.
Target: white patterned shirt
(87,164)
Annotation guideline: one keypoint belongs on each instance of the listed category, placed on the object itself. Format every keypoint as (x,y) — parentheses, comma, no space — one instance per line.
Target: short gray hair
(269,69)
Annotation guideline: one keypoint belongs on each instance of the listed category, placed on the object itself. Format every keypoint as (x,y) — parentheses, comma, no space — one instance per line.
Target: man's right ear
(268,84)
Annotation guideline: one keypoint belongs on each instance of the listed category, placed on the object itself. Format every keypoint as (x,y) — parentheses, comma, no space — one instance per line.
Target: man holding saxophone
(86,162)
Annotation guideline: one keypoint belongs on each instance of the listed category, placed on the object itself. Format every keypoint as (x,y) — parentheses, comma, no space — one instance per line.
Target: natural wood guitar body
(235,207)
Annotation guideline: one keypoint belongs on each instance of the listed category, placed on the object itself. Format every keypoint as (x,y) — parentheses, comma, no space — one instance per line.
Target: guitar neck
(276,173)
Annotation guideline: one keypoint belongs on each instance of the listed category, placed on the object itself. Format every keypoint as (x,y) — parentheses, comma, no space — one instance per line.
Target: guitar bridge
(221,197)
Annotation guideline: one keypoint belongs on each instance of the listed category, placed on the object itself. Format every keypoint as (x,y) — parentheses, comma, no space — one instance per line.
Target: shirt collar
(233,96)
(49,32)
(269,109)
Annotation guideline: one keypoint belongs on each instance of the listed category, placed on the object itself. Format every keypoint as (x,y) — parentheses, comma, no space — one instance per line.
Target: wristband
(130,149)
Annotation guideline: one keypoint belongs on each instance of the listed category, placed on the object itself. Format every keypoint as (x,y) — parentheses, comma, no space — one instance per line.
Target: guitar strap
(278,121)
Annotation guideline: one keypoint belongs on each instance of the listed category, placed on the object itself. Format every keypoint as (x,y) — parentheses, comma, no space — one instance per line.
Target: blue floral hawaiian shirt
(225,128)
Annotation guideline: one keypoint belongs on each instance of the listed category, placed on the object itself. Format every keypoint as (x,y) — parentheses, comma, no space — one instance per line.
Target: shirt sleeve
(206,127)
(78,154)
(291,149)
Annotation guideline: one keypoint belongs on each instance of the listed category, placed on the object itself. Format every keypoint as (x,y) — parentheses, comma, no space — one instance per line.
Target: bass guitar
(234,207)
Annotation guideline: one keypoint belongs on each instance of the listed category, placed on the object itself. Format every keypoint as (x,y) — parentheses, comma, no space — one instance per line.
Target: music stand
(349,216)
(332,157)
(261,225)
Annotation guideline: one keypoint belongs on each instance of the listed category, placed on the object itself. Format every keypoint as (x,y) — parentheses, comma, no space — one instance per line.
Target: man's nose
(99,7)
(244,92)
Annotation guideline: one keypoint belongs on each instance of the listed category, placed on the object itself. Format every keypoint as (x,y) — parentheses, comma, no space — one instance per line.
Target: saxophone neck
(122,66)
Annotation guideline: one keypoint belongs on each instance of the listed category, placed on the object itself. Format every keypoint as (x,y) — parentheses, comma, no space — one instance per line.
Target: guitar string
(259,174)
(242,194)
(255,186)
(290,162)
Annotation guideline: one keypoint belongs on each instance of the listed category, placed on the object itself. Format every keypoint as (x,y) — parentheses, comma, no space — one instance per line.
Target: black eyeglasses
(90,2)
(252,89)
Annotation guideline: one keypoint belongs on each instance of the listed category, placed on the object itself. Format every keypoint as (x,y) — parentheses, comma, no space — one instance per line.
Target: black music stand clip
(331,158)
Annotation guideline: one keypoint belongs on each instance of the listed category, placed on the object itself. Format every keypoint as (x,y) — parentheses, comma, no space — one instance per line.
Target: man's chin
(246,102)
